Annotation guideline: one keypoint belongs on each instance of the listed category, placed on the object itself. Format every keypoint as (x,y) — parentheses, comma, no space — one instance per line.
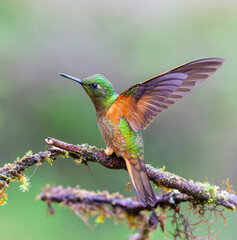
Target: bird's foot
(109,151)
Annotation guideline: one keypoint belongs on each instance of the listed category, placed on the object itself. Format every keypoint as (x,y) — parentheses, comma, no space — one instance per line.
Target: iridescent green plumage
(133,140)
(121,117)
(104,95)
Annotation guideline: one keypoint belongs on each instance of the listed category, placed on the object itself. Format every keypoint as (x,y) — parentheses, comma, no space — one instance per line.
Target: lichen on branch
(103,205)
(15,171)
(202,197)
(196,191)
(200,192)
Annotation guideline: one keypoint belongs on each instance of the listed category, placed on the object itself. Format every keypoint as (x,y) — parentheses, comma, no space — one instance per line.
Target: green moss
(49,159)
(25,183)
(210,188)
(211,191)
(100,219)
(66,154)
(29,153)
(78,161)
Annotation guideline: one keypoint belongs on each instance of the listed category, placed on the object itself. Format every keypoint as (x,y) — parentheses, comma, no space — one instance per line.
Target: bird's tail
(141,182)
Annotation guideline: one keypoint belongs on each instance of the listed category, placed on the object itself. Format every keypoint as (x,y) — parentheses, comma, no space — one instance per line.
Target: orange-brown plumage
(121,108)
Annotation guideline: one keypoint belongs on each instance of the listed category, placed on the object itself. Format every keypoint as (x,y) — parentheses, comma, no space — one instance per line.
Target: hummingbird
(122,117)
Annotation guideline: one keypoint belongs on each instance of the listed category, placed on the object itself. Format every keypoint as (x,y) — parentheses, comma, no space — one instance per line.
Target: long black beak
(72,78)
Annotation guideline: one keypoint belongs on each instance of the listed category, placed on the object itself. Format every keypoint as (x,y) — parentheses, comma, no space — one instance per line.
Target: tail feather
(141,182)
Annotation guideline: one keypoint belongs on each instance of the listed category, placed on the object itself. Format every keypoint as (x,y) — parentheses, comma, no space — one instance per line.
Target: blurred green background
(128,42)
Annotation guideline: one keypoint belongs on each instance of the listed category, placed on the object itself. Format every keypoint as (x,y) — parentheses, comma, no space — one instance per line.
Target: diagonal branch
(196,192)
(200,192)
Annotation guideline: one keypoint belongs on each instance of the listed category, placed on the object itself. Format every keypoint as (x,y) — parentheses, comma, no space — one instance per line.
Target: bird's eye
(93,85)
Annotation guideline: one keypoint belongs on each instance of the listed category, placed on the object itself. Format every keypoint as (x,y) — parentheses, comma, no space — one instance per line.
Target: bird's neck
(102,105)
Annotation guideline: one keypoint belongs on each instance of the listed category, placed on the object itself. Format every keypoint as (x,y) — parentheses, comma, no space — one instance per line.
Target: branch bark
(196,192)
(200,192)
(132,206)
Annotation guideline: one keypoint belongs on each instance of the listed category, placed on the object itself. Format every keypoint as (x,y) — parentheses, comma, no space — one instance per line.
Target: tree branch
(130,211)
(130,205)
(196,192)
(200,192)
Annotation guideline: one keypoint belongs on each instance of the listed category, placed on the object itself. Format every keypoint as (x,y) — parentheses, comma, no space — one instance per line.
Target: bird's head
(99,89)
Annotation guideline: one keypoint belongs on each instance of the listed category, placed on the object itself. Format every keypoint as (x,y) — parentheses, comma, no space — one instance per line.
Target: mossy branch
(202,197)
(196,192)
(130,211)
(130,205)
(200,192)
(104,205)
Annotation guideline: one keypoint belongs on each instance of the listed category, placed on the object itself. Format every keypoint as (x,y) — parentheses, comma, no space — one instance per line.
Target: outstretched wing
(141,103)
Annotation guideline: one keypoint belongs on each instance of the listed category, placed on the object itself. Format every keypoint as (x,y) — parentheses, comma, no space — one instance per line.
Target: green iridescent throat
(103,96)
(102,105)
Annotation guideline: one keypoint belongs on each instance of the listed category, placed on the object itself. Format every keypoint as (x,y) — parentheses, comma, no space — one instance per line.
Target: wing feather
(141,103)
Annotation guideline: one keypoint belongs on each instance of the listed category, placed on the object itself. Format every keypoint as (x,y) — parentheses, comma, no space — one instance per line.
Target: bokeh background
(128,42)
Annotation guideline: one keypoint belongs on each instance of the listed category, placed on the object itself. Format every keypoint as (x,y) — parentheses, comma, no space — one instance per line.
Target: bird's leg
(109,150)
